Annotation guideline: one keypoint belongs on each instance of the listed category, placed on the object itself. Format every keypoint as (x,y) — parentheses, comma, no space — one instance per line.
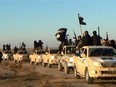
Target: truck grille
(108,64)
(108,72)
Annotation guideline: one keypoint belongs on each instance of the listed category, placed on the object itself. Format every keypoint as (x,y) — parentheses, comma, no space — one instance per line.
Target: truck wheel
(31,62)
(89,79)
(43,64)
(15,61)
(28,60)
(60,68)
(36,63)
(40,63)
(66,70)
(49,65)
(75,73)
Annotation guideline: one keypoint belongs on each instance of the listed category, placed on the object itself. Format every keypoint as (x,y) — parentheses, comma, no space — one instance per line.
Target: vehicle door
(81,62)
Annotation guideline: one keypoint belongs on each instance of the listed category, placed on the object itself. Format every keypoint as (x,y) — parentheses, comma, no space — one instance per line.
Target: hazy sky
(29,20)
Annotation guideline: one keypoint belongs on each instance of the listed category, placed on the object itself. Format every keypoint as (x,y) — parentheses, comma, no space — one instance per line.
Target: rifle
(75,36)
(98,31)
(107,38)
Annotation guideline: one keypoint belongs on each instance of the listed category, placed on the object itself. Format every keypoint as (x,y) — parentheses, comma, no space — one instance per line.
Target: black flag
(81,20)
(61,34)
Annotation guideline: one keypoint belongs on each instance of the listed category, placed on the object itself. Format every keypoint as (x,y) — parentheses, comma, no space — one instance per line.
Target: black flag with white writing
(81,20)
(61,34)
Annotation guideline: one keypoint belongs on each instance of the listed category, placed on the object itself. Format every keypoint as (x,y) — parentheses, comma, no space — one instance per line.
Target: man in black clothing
(86,40)
(112,43)
(96,39)
(4,47)
(15,50)
(40,44)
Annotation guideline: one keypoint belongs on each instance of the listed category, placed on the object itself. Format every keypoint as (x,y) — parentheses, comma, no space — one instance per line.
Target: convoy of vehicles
(66,60)
(90,62)
(95,62)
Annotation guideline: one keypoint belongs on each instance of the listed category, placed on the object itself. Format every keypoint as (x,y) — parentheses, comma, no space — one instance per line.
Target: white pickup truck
(36,57)
(21,55)
(95,62)
(50,58)
(7,55)
(66,60)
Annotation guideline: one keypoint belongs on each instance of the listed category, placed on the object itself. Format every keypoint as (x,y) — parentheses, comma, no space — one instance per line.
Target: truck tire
(75,73)
(60,68)
(89,79)
(43,64)
(66,70)
(31,62)
(15,61)
(49,65)
(36,63)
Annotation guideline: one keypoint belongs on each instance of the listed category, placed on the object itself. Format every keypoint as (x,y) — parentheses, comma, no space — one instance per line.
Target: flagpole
(98,31)
(81,30)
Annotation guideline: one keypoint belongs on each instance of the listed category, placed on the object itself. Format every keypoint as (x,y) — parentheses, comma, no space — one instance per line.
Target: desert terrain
(26,75)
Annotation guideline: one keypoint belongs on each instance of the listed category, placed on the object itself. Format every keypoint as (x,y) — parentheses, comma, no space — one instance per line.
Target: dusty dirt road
(26,75)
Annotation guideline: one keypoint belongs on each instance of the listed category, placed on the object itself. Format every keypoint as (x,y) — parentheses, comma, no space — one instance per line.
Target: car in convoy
(21,55)
(66,60)
(7,55)
(95,62)
(36,57)
(50,58)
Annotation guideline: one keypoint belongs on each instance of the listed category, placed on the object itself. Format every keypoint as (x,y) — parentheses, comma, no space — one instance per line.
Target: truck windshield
(53,51)
(41,52)
(70,50)
(8,52)
(21,52)
(102,52)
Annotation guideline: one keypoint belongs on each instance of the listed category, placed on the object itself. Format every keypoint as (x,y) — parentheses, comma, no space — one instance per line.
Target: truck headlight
(71,59)
(39,57)
(21,56)
(96,64)
(52,57)
(6,56)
